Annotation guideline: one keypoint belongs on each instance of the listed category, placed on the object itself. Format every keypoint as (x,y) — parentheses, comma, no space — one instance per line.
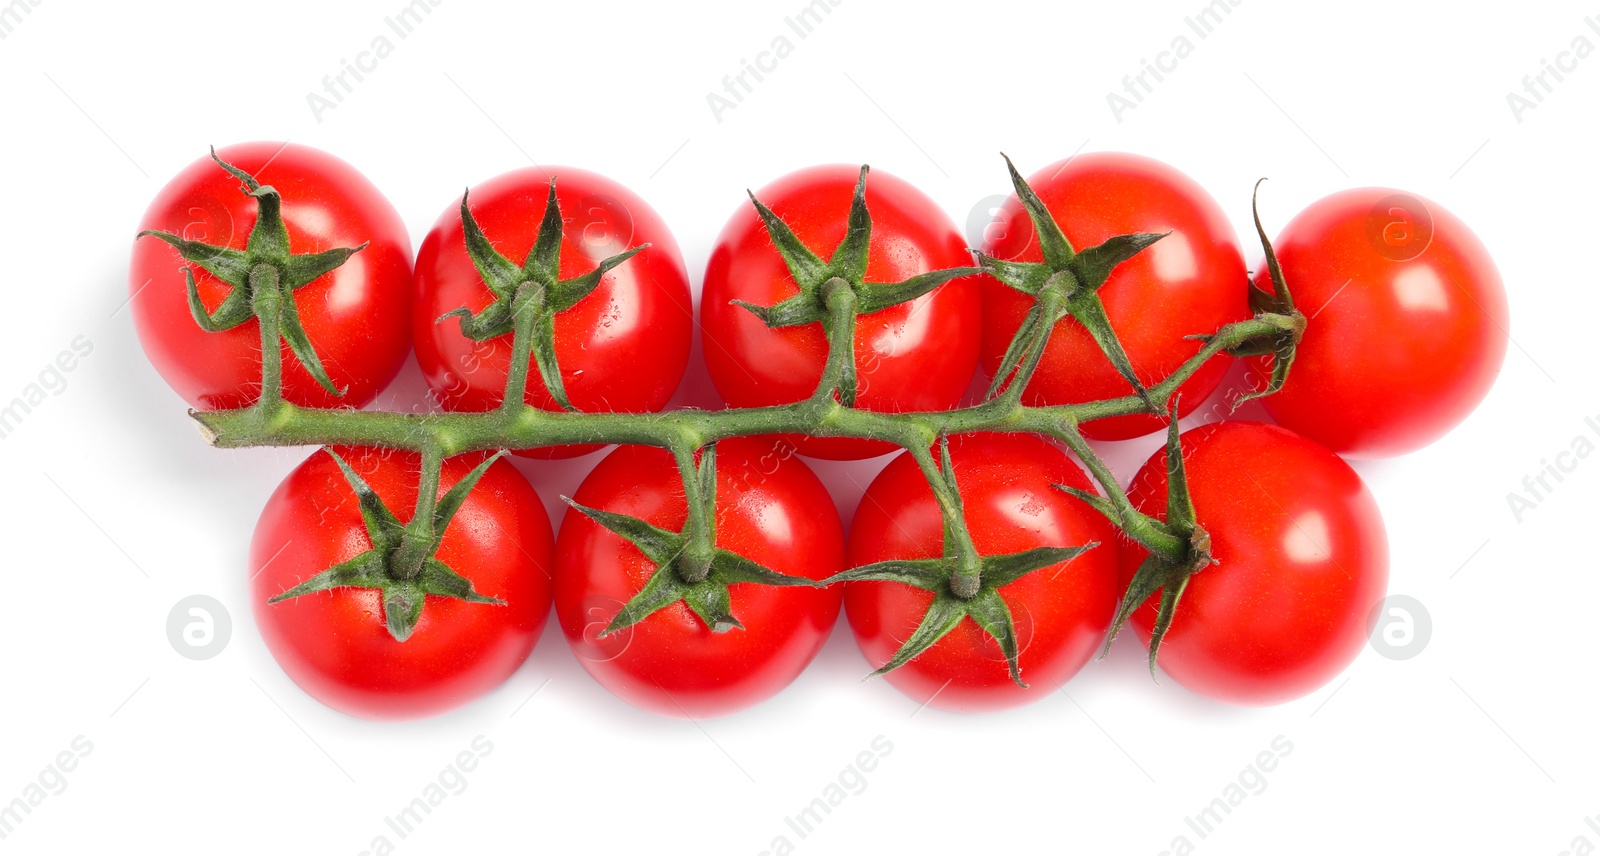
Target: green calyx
(1065,284)
(1167,570)
(264,277)
(689,567)
(1276,307)
(964,584)
(528,297)
(834,292)
(401,562)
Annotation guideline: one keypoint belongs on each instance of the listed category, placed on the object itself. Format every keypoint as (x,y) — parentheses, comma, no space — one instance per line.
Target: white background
(115,510)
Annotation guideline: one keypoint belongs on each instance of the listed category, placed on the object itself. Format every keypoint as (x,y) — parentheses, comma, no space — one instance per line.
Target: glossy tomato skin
(1408,322)
(1061,612)
(919,355)
(770,508)
(623,348)
(357,316)
(335,644)
(1190,282)
(1302,560)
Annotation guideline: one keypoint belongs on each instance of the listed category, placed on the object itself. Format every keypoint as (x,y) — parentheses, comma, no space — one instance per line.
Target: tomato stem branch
(266,300)
(525,308)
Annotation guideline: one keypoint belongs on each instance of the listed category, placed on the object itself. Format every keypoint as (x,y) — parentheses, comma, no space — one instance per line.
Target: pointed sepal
(233,311)
(1093,266)
(1280,302)
(300,271)
(943,616)
(989,611)
(804,265)
(439,579)
(1089,311)
(445,509)
(365,570)
(658,545)
(1026,277)
(383,528)
(499,274)
(294,334)
(229,265)
(544,257)
(1053,243)
(849,259)
(876,296)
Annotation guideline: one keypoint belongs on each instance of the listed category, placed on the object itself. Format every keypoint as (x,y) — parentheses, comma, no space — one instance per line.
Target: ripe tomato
(918,355)
(1301,560)
(1061,612)
(771,509)
(335,644)
(623,348)
(1190,282)
(1408,322)
(356,316)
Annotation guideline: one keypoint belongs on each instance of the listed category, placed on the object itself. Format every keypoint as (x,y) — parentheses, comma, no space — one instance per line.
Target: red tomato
(1408,322)
(355,316)
(335,644)
(623,348)
(771,509)
(1302,558)
(919,355)
(1190,282)
(1061,612)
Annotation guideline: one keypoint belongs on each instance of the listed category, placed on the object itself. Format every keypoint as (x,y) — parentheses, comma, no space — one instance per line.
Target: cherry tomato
(1408,322)
(623,348)
(335,644)
(918,355)
(355,316)
(771,509)
(1301,561)
(1190,282)
(1061,612)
